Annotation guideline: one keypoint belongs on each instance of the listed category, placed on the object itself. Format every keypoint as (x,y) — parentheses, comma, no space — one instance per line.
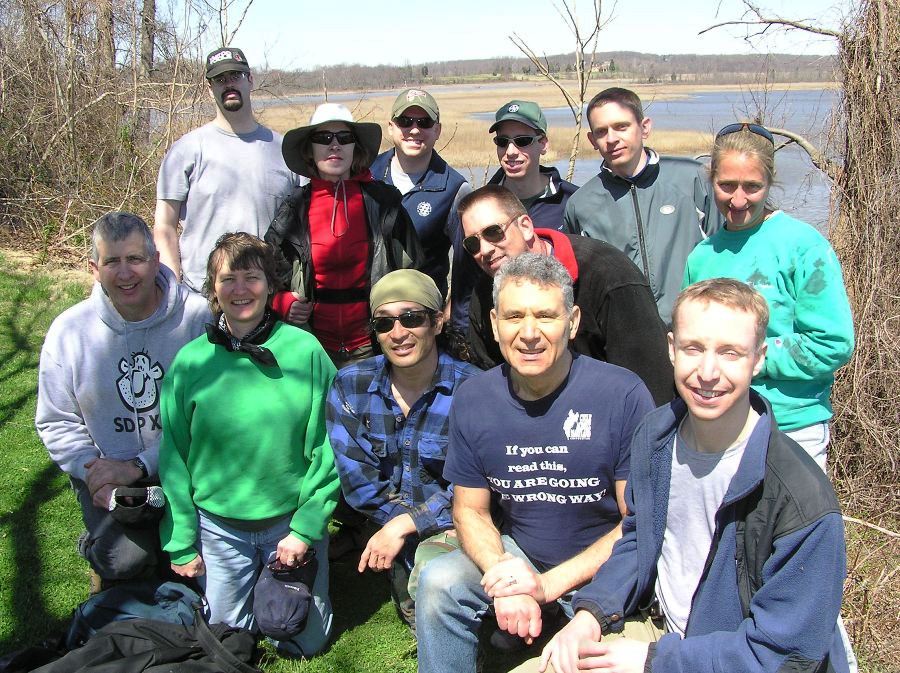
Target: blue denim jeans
(234,558)
(450,605)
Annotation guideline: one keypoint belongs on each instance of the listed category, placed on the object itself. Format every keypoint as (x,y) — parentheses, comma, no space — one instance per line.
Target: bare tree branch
(583,46)
(820,161)
(775,21)
(860,522)
(766,22)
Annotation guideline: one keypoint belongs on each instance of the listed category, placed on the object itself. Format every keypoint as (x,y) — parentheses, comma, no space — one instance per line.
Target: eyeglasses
(228,77)
(520,141)
(405,122)
(493,233)
(131,260)
(408,319)
(753,128)
(325,137)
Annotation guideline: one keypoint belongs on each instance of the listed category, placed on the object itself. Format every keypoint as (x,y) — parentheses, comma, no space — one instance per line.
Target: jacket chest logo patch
(667,209)
(423,209)
(139,384)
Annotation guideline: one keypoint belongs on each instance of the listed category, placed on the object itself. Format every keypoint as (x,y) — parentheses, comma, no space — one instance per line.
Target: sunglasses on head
(753,128)
(493,233)
(405,122)
(325,137)
(520,141)
(408,319)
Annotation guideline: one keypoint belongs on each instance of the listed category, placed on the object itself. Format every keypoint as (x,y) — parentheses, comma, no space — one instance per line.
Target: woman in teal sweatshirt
(794,267)
(245,461)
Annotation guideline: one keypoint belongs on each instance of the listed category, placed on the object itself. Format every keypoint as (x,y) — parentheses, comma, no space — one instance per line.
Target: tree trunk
(148,36)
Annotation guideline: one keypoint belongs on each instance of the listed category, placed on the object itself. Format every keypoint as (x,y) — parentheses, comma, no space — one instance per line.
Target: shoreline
(464,142)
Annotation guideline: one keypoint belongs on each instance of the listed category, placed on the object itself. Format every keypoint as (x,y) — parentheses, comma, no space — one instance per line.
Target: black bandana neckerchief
(220,334)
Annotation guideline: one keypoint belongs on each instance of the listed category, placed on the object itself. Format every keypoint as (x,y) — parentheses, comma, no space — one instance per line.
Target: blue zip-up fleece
(779,501)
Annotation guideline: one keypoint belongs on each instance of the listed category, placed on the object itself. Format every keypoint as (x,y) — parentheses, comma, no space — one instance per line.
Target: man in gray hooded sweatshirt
(99,379)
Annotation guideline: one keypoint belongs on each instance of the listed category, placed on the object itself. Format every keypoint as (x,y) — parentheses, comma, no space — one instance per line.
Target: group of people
(594,411)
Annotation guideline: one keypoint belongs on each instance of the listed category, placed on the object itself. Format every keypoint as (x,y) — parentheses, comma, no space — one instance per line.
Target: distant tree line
(626,65)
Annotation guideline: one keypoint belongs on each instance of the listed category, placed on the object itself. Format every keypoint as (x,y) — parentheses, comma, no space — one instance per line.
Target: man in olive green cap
(520,134)
(431,189)
(387,419)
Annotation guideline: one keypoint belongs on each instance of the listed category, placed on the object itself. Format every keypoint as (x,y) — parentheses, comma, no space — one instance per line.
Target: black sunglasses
(325,137)
(493,233)
(520,141)
(405,122)
(408,319)
(753,128)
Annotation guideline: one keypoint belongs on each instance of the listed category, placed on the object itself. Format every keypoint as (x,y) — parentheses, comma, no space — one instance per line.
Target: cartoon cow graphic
(138,387)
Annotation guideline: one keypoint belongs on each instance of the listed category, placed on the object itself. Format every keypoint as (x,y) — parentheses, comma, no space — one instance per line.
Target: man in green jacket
(653,208)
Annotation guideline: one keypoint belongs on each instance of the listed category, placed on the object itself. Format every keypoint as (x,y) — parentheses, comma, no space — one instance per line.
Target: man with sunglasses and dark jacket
(619,321)
(520,130)
(431,189)
(388,423)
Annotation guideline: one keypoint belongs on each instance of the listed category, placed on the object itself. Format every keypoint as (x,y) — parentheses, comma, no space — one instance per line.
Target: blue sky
(303,34)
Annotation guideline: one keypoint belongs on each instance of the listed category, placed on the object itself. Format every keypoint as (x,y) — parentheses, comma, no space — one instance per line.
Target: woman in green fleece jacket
(794,267)
(245,461)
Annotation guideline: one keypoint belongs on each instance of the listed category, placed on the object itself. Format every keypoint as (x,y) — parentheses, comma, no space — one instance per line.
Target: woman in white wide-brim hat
(341,232)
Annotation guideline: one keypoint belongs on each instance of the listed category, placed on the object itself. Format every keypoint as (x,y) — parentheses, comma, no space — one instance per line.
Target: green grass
(42,578)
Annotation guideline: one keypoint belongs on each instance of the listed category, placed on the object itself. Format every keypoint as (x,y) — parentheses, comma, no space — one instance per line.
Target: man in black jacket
(619,320)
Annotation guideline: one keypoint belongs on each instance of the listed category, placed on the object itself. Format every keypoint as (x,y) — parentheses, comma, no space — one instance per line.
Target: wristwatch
(139,464)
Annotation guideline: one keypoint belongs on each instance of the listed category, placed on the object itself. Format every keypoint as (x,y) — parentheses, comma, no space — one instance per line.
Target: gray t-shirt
(697,487)
(226,182)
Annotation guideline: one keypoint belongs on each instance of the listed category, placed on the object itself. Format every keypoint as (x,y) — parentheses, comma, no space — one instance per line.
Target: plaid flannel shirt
(390,464)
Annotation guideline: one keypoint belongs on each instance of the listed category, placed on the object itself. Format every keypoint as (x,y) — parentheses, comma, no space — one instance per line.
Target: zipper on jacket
(640,232)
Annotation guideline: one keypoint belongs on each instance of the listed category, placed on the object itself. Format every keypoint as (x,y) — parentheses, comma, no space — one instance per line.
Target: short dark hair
(118,225)
(242,251)
(616,94)
(507,201)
